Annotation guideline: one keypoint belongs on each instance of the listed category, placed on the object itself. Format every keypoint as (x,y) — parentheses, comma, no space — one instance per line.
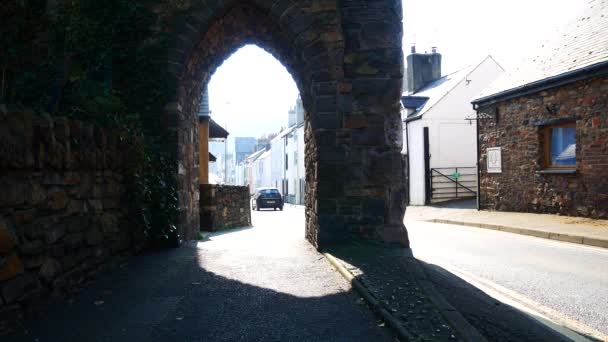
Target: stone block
(22,217)
(14,192)
(33,262)
(50,269)
(95,206)
(17,287)
(74,240)
(11,267)
(53,233)
(8,239)
(93,236)
(36,194)
(57,199)
(32,247)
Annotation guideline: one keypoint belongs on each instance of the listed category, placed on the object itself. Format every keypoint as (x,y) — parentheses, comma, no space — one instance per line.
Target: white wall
(301,168)
(416,161)
(277,150)
(452,138)
(266,171)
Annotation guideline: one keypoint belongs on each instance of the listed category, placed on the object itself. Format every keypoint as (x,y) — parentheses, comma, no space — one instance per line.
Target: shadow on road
(168,296)
(226,231)
(393,276)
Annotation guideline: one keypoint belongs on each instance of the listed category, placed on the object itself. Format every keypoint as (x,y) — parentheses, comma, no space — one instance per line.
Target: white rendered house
(439,127)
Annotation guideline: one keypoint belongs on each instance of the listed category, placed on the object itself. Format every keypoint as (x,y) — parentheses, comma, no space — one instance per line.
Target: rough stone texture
(519,187)
(62,216)
(224,207)
(346,59)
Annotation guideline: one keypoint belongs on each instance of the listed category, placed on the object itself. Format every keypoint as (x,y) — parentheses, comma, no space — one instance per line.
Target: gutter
(410,119)
(598,69)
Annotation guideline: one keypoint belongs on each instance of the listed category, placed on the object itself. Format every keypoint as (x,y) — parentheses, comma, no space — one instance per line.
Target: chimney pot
(413,49)
(434,49)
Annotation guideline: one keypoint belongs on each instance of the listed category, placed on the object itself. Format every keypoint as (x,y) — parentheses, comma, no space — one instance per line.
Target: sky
(251,92)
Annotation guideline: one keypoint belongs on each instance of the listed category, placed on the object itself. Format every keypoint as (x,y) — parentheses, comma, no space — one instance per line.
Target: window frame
(547,147)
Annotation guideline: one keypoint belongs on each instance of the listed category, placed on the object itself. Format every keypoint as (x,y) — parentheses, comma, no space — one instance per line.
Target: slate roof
(580,44)
(436,90)
(413,102)
(216,131)
(284,132)
(254,156)
(264,155)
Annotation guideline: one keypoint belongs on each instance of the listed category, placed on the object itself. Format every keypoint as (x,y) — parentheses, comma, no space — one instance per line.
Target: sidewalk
(423,302)
(579,230)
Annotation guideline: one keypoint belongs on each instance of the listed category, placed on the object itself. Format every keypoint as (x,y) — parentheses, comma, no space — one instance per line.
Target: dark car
(267,198)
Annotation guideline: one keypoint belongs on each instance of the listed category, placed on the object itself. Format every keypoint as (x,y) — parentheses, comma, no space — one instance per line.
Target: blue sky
(252,92)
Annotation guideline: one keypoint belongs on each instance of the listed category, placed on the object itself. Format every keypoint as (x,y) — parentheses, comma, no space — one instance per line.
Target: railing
(453,183)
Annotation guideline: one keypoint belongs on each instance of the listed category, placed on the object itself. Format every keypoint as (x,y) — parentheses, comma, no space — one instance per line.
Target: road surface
(565,281)
(264,283)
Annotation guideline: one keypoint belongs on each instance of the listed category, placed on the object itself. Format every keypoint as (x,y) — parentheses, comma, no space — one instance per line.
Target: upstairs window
(560,146)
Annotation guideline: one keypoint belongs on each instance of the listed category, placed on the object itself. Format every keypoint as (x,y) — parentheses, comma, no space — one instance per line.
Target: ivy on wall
(102,62)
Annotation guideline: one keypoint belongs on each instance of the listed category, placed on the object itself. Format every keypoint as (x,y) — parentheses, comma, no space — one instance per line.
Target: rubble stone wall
(224,207)
(62,217)
(522,186)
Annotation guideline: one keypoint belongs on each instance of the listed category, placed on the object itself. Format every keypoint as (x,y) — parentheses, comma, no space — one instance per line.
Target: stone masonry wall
(347,61)
(62,217)
(224,207)
(520,187)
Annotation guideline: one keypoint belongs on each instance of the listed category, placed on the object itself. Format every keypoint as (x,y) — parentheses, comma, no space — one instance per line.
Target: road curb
(393,322)
(581,240)
(462,327)
(449,312)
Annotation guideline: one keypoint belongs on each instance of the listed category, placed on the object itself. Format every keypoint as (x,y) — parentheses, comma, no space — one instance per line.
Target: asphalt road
(263,283)
(570,279)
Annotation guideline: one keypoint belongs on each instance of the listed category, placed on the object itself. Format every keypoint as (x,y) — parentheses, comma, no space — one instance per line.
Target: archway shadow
(393,276)
(169,296)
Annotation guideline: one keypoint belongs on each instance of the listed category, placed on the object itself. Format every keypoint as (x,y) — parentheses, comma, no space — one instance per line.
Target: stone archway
(346,59)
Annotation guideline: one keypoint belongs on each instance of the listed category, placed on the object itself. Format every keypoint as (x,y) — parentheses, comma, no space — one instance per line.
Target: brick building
(543,128)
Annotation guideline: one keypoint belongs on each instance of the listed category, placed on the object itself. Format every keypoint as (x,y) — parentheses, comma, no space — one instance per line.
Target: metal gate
(453,183)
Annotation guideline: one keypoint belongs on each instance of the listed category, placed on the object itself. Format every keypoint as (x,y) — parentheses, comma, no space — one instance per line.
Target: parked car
(267,198)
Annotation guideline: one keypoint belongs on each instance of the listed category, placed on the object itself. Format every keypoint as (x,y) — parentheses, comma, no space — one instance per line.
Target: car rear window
(273,192)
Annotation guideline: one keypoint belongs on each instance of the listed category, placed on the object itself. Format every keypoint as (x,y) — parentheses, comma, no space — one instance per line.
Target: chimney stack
(413,49)
(422,68)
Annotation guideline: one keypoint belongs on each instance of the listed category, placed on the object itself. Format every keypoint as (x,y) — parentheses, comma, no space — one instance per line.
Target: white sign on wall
(494,160)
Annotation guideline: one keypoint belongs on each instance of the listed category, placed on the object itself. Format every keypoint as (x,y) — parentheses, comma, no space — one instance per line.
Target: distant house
(543,128)
(251,171)
(439,141)
(296,172)
(208,130)
(280,162)
(263,170)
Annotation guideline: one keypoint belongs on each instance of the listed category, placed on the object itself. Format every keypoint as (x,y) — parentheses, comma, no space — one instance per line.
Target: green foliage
(94,60)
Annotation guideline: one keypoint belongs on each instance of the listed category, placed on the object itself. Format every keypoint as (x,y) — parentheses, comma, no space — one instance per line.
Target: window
(560,146)
(286,161)
(295,158)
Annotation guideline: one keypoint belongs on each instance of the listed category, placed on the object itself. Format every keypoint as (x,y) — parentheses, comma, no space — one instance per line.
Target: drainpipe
(407,148)
(203,149)
(478,158)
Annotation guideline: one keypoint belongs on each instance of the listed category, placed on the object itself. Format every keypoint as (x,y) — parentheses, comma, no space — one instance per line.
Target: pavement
(261,283)
(578,230)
